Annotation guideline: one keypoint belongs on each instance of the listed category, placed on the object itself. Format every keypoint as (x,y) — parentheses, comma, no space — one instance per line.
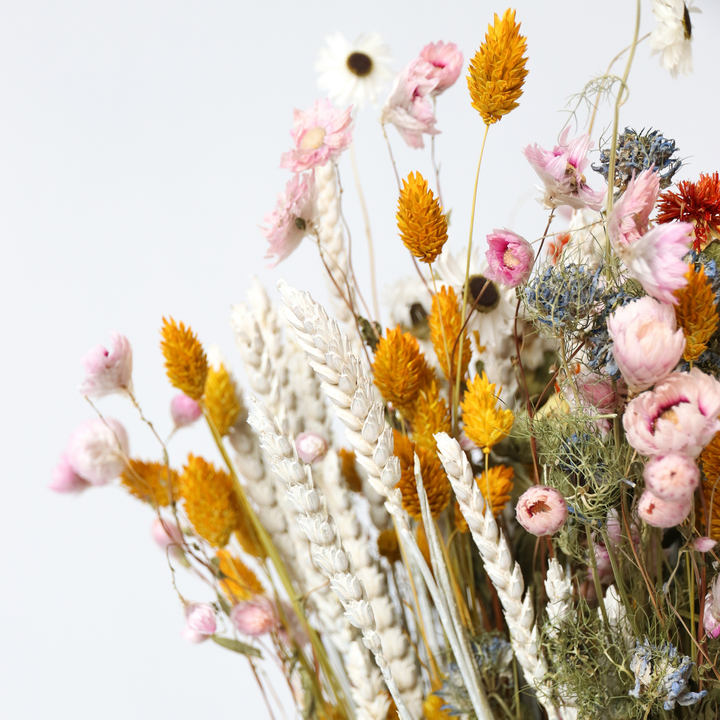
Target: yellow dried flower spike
(421,222)
(710,459)
(485,424)
(400,369)
(460,521)
(430,416)
(238,581)
(432,708)
(445,323)
(388,545)
(349,471)
(221,399)
(210,502)
(497,72)
(696,312)
(499,480)
(185,361)
(248,538)
(148,481)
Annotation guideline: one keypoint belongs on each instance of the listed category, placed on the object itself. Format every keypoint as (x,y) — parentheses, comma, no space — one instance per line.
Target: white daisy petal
(673,34)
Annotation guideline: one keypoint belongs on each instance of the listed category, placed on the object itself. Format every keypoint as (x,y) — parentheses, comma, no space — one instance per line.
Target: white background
(139,145)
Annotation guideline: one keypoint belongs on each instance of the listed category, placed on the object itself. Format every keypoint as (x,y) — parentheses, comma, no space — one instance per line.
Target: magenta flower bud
(65,480)
(541,510)
(671,477)
(254,617)
(703,544)
(311,447)
(97,450)
(108,372)
(447,61)
(510,258)
(166,533)
(711,620)
(663,513)
(200,618)
(184,410)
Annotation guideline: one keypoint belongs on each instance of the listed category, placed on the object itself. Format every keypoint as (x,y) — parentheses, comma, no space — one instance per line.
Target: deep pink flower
(680,415)
(541,510)
(561,170)
(184,410)
(255,617)
(631,213)
(319,134)
(292,218)
(663,513)
(108,372)
(672,477)
(409,108)
(510,258)
(311,446)
(200,618)
(447,61)
(711,621)
(646,344)
(703,544)
(65,480)
(97,450)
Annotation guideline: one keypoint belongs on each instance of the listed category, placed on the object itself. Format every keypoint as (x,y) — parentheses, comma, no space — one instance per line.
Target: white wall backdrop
(139,150)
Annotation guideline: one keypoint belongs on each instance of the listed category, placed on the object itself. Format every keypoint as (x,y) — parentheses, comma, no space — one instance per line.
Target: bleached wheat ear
(500,567)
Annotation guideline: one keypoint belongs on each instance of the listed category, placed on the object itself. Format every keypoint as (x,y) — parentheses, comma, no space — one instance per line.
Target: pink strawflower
(631,213)
(561,170)
(311,446)
(65,480)
(166,533)
(663,513)
(292,219)
(672,477)
(541,510)
(447,61)
(184,410)
(655,259)
(646,344)
(200,618)
(703,544)
(510,258)
(598,392)
(711,620)
(255,617)
(603,563)
(319,134)
(409,108)
(98,449)
(616,530)
(680,415)
(108,372)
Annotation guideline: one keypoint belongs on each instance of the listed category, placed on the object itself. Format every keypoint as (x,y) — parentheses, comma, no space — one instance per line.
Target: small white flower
(673,34)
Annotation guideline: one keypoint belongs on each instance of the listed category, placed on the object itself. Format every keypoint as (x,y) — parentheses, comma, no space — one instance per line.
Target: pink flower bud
(184,410)
(108,372)
(311,446)
(711,621)
(671,477)
(663,513)
(598,392)
(447,61)
(166,533)
(65,479)
(541,510)
(510,258)
(97,450)
(616,530)
(703,544)
(200,618)
(254,617)
(603,563)
(191,636)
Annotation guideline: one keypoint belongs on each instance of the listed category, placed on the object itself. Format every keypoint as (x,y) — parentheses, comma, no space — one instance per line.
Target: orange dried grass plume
(485,423)
(221,399)
(185,361)
(238,582)
(349,471)
(148,481)
(430,416)
(445,323)
(421,222)
(696,312)
(710,459)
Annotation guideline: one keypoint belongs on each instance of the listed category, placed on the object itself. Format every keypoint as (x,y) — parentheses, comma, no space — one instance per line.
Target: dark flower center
(538,507)
(418,314)
(300,224)
(359,64)
(483,291)
(687,25)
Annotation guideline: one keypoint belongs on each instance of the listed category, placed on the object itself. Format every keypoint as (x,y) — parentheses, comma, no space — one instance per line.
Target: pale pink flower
(711,621)
(108,372)
(616,530)
(200,618)
(655,259)
(97,450)
(255,617)
(447,60)
(65,480)
(409,108)
(672,477)
(646,344)
(166,533)
(703,544)
(319,134)
(561,170)
(603,562)
(184,410)
(292,219)
(510,258)
(191,636)
(663,513)
(631,213)
(597,391)
(311,446)
(541,510)
(680,415)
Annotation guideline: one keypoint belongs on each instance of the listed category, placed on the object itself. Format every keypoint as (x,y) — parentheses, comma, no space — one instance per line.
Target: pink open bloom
(292,219)
(97,450)
(663,513)
(409,108)
(561,170)
(672,477)
(255,617)
(711,621)
(541,510)
(184,410)
(510,258)
(311,446)
(447,61)
(65,480)
(108,372)
(319,134)
(680,415)
(200,618)
(646,344)
(631,213)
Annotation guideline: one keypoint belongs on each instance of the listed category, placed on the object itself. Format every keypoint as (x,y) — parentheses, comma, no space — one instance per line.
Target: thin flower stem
(596,577)
(432,157)
(392,157)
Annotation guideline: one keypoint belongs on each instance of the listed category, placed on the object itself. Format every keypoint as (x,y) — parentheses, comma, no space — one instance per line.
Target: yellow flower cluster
(496,487)
(430,416)
(238,582)
(485,424)
(445,323)
(221,399)
(696,312)
(185,361)
(148,481)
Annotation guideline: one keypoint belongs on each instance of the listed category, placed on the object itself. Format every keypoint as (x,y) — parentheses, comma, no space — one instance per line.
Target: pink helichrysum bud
(200,618)
(646,344)
(184,410)
(510,258)
(703,544)
(680,415)
(630,214)
(255,617)
(311,446)
(671,477)
(447,60)
(663,513)
(191,636)
(97,450)
(616,530)
(108,372)
(603,563)
(65,480)
(598,391)
(166,533)
(541,510)
(711,621)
